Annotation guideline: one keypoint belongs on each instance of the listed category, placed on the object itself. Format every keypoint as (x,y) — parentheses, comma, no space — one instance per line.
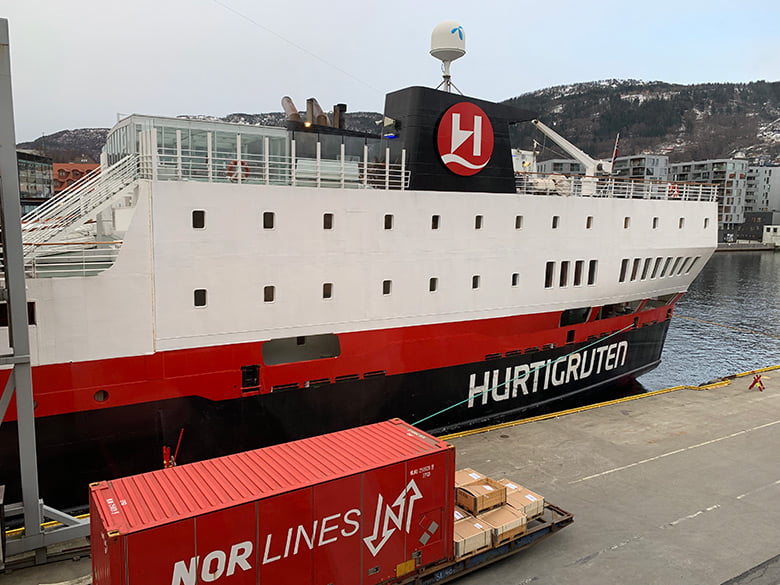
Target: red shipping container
(360,506)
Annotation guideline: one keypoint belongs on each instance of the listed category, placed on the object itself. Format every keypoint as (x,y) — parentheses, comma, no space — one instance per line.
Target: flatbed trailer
(553,519)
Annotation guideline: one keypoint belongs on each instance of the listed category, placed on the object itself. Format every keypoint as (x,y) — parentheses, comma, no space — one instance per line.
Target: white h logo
(460,136)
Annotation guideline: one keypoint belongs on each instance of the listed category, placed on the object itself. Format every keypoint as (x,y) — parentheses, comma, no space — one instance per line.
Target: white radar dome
(448,41)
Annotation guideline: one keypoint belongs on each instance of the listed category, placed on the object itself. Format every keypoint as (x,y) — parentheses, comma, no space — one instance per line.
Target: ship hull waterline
(75,449)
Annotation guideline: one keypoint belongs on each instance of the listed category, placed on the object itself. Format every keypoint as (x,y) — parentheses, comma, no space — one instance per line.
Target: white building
(730,175)
(763,188)
(653,167)
(565,166)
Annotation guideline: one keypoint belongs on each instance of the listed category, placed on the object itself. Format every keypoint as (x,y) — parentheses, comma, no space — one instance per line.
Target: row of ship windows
(630,270)
(269,291)
(269,221)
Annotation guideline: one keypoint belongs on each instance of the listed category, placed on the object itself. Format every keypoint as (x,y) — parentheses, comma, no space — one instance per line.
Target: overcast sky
(78,63)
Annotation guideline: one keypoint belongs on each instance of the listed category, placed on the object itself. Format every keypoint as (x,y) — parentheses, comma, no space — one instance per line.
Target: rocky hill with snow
(685,122)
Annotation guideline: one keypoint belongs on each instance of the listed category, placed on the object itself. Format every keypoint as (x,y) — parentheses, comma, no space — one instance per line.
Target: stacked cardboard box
(467,476)
(505,523)
(471,536)
(480,495)
(529,503)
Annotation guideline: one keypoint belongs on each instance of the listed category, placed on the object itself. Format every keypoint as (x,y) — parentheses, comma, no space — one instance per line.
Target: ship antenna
(448,42)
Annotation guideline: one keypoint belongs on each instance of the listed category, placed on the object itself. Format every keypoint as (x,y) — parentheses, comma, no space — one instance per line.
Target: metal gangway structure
(19,383)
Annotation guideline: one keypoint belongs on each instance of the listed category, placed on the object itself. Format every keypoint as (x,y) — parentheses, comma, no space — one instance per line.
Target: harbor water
(729,322)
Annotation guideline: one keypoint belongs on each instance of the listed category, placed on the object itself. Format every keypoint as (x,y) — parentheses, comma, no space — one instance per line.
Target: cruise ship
(226,286)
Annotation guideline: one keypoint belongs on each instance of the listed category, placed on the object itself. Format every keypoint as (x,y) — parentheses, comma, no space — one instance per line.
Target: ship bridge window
(623,270)
(4,314)
(574,316)
(290,349)
(666,267)
(578,266)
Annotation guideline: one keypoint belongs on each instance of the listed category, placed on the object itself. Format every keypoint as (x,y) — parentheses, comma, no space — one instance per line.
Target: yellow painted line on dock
(510,424)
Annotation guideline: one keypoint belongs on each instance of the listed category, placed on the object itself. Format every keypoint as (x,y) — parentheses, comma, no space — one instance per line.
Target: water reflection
(736,289)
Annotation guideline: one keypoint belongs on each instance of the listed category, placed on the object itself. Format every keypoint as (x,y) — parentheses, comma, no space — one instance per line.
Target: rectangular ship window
(515,278)
(475,281)
(327,290)
(250,376)
(518,222)
(478,222)
(288,350)
(435,219)
(327,221)
(4,318)
(433,284)
(695,260)
(655,223)
(268,220)
(646,269)
(198,219)
(681,223)
(387,286)
(706,222)
(592,266)
(578,266)
(388,221)
(635,268)
(549,274)
(269,293)
(626,223)
(666,267)
(556,221)
(656,266)
(623,270)
(589,222)
(199,297)
(564,276)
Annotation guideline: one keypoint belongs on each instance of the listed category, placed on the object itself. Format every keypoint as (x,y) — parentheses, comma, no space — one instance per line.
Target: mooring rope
(527,374)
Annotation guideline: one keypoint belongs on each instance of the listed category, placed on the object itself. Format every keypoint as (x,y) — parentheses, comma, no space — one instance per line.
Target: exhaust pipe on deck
(290,110)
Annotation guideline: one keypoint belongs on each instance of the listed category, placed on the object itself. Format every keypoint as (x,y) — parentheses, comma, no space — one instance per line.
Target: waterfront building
(730,175)
(35,179)
(65,174)
(753,227)
(645,167)
(565,166)
(763,188)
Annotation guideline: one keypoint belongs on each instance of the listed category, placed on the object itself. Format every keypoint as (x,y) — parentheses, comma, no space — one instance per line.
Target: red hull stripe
(214,373)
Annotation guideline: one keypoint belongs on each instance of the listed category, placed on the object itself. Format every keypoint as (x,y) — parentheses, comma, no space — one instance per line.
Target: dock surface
(678,487)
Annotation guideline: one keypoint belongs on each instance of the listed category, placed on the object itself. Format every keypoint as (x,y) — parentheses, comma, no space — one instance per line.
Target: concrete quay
(678,486)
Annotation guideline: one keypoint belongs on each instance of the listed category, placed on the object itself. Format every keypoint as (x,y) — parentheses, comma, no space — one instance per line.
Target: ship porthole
(101,396)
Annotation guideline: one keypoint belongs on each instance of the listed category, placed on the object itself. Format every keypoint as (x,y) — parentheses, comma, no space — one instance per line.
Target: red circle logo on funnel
(465,139)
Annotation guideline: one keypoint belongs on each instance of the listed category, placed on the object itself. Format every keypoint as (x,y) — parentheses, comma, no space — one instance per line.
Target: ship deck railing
(357,171)
(618,187)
